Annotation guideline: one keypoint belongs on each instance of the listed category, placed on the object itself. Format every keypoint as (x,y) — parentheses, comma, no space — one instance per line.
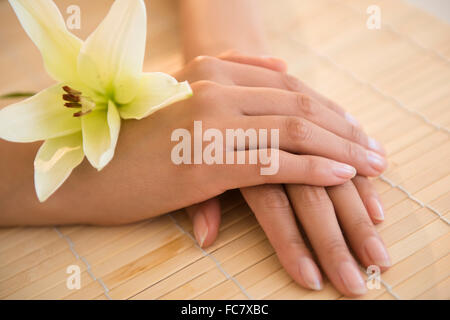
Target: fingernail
(352,278)
(377,252)
(376,146)
(376,161)
(344,171)
(309,273)
(200,228)
(376,209)
(352,119)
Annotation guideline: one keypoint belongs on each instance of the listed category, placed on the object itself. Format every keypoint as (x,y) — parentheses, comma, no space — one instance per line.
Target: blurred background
(440,8)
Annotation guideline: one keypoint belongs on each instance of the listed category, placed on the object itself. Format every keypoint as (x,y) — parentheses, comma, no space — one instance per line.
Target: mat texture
(395,80)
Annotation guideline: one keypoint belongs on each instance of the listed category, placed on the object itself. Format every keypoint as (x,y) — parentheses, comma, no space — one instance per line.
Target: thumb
(205,217)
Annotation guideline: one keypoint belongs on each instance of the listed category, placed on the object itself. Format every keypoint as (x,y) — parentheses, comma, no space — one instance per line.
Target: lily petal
(100,133)
(157,90)
(111,59)
(45,26)
(54,163)
(40,117)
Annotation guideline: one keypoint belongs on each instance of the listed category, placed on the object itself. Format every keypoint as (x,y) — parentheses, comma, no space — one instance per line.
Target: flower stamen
(71,91)
(72,105)
(75,99)
(81,113)
(71,98)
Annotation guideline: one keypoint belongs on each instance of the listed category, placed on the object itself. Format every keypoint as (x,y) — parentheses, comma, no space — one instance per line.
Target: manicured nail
(377,252)
(309,273)
(352,120)
(352,278)
(344,171)
(376,146)
(376,161)
(376,209)
(200,228)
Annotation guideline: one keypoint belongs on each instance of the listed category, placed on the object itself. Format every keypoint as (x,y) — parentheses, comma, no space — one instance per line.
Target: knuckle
(204,90)
(305,105)
(347,187)
(352,151)
(361,224)
(291,83)
(276,199)
(357,135)
(315,197)
(307,165)
(294,241)
(335,246)
(297,129)
(205,64)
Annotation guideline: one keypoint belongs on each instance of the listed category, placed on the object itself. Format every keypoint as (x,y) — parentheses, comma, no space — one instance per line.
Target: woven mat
(396,81)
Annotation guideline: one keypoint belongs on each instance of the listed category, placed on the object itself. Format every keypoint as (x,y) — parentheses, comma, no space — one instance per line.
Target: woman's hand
(322,213)
(143,181)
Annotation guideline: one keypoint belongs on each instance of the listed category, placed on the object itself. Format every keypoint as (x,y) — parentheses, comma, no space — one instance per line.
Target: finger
(267,62)
(280,167)
(259,101)
(316,214)
(274,213)
(248,75)
(252,76)
(370,198)
(357,226)
(298,135)
(205,217)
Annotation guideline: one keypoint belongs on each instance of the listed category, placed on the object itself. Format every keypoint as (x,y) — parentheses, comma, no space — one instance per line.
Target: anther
(81,113)
(72,105)
(71,91)
(71,98)
(76,100)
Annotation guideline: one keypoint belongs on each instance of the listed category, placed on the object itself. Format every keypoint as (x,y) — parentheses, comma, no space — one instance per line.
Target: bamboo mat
(396,81)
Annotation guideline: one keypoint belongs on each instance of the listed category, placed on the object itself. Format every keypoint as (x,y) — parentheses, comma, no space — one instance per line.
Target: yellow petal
(100,133)
(157,90)
(40,117)
(111,59)
(44,24)
(54,163)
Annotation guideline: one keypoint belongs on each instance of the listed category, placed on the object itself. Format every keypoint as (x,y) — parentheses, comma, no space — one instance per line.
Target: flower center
(75,99)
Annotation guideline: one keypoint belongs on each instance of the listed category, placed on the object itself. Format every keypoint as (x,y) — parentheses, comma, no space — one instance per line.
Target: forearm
(19,204)
(210,27)
(121,193)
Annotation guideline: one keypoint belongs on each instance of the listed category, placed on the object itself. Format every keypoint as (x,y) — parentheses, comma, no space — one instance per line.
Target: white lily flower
(100,82)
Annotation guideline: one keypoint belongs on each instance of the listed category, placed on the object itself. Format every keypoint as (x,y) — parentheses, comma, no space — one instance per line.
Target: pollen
(75,99)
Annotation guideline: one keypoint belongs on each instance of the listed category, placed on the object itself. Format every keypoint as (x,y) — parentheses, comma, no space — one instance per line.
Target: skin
(351,209)
(131,184)
(250,90)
